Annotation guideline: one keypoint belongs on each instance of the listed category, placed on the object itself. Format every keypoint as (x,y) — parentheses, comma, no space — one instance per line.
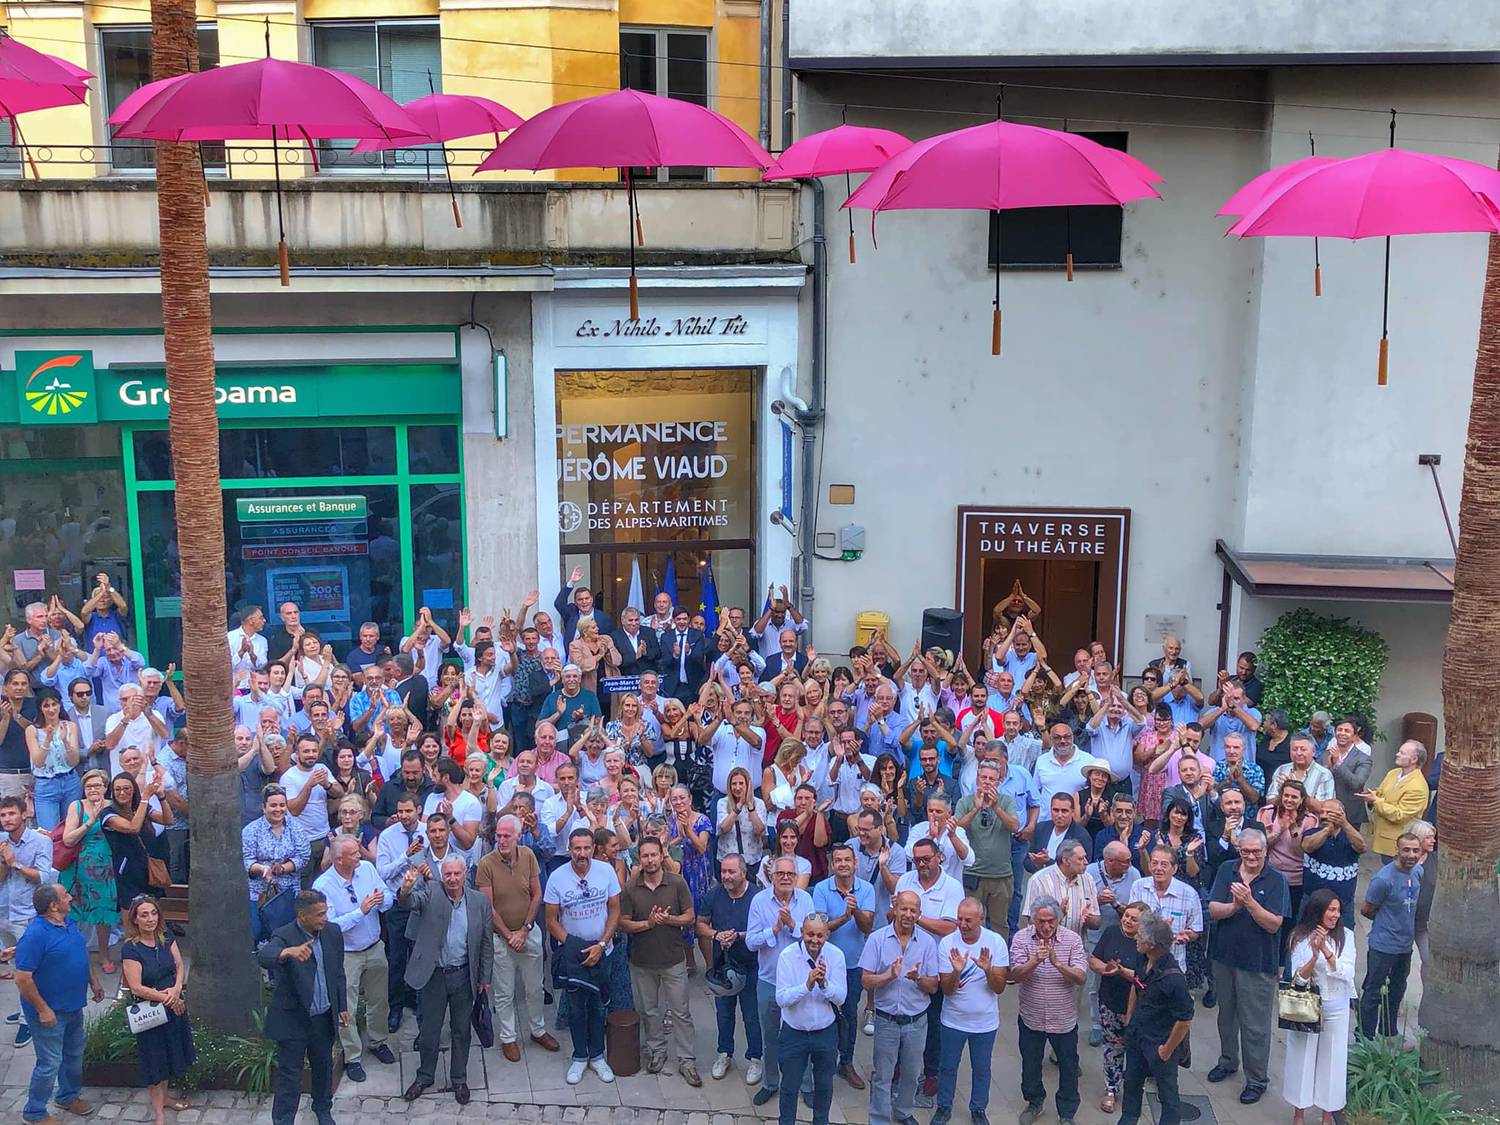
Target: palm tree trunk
(1462,995)
(225,981)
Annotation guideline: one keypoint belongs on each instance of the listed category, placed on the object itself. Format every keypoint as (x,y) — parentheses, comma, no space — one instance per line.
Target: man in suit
(639,649)
(309,1005)
(574,602)
(411,685)
(449,967)
(1050,833)
(684,659)
(788,657)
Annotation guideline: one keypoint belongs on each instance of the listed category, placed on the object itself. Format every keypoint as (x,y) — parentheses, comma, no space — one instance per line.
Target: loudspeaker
(942,628)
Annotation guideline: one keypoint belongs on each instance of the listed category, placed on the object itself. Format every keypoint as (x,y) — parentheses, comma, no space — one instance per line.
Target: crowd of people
(493,815)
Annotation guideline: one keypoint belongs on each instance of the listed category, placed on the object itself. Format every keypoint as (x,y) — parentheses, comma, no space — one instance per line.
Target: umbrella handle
(1385,351)
(457,221)
(640,237)
(635,299)
(1317,281)
(283,259)
(995,333)
(1070,265)
(851,247)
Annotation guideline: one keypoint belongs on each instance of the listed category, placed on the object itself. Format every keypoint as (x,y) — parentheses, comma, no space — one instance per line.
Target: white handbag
(143,1015)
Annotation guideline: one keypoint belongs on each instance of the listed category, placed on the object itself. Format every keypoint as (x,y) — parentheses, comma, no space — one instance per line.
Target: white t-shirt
(432,657)
(583,901)
(138,733)
(973,1005)
(540,795)
(939,900)
(314,815)
(952,865)
(1054,777)
(466,810)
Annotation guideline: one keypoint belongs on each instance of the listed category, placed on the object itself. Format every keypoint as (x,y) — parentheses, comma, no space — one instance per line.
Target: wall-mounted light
(502,395)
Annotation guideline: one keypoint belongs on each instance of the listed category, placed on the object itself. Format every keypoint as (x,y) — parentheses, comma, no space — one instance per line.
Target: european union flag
(710,604)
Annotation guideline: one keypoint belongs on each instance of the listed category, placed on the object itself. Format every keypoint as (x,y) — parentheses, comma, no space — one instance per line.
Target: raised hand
(957,959)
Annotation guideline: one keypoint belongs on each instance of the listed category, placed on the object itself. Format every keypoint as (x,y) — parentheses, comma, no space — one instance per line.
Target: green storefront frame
(264,398)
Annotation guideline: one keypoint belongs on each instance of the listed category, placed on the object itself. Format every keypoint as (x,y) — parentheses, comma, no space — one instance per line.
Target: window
(401,58)
(673,64)
(126,52)
(1040,237)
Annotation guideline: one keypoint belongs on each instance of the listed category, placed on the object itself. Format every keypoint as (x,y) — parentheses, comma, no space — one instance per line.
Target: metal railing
(138,158)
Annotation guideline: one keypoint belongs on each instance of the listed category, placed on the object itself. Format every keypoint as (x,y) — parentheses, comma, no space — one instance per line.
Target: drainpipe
(786,77)
(765,74)
(810,416)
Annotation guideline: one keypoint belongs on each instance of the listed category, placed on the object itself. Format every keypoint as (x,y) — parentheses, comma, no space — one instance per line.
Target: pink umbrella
(837,151)
(1253,192)
(31,80)
(1002,165)
(450,117)
(627,129)
(267,99)
(1380,194)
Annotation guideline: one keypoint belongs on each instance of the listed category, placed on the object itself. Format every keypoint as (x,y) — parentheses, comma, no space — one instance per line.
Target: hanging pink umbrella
(1380,194)
(450,117)
(1001,165)
(31,80)
(1253,192)
(837,151)
(627,129)
(267,99)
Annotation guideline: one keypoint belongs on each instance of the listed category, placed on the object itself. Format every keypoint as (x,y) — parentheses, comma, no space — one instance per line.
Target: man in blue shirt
(849,902)
(1391,905)
(725,918)
(1233,715)
(54,978)
(775,923)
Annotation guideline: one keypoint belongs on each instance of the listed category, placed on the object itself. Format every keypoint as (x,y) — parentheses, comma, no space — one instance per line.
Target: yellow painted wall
(65,126)
(524,58)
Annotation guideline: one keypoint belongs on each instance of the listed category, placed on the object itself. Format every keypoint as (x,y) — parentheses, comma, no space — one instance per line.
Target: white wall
(1413,676)
(1023,28)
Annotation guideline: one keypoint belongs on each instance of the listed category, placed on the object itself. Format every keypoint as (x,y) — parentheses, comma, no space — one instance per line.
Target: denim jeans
(1033,1047)
(52,797)
(770,1034)
(1018,866)
(749,1012)
(1142,1062)
(803,1052)
(59,1062)
(848,1021)
(896,1044)
(586,1023)
(1379,1013)
(981,1050)
(930,1049)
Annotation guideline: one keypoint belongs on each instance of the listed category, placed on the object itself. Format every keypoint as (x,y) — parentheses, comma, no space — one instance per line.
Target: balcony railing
(137,158)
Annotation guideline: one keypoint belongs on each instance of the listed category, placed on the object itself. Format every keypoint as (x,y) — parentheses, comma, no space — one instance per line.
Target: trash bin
(622,1042)
(867,622)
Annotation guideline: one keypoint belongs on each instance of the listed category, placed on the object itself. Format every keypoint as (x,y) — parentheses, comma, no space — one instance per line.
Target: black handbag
(483,1021)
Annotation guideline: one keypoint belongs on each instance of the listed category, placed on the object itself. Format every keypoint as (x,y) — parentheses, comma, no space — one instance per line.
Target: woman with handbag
(155,975)
(127,824)
(1317,1061)
(90,878)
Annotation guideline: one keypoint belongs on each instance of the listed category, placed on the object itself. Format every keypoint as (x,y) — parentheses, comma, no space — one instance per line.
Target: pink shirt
(547,770)
(1175,778)
(1049,1001)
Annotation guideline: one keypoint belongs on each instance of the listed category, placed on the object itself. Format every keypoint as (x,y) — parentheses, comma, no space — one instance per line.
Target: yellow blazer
(1397,803)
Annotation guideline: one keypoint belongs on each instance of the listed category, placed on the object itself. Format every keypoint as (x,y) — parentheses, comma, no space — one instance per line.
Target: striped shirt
(1049,1001)
(1079,897)
(1179,907)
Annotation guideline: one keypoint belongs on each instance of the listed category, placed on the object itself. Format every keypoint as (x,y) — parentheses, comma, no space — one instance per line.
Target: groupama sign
(65,388)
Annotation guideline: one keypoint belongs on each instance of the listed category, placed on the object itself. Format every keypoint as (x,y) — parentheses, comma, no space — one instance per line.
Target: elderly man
(511,876)
(655,906)
(1249,901)
(570,706)
(450,968)
(899,966)
(583,911)
(774,922)
(989,817)
(940,895)
(1247,778)
(1060,768)
(54,977)
(357,897)
(973,963)
(1067,881)
(943,829)
(1234,715)
(1047,961)
(1160,1012)
(1316,780)
(848,902)
(885,725)
(1114,874)
(1171,900)
(811,979)
(1400,798)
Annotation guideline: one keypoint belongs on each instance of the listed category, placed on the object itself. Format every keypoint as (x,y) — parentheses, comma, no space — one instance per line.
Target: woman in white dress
(1317,1063)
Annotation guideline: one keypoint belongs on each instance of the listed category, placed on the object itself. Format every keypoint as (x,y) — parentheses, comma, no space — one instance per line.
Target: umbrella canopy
(450,117)
(1380,194)
(31,80)
(1392,191)
(999,166)
(1257,189)
(837,152)
(627,129)
(266,99)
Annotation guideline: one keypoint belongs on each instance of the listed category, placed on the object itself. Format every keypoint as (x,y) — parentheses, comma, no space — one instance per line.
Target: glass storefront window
(62,514)
(256,453)
(437,540)
(432,449)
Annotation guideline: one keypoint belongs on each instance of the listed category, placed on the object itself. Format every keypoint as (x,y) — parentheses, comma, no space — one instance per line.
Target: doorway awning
(1354,578)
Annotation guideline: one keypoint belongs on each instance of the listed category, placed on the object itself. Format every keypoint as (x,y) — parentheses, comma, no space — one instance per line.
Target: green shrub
(219,1060)
(1311,663)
